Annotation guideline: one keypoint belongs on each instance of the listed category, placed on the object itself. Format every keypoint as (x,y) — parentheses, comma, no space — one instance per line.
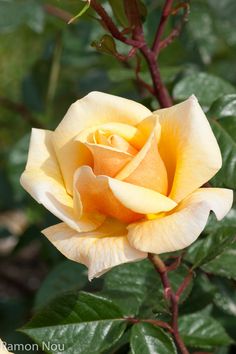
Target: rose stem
(172,297)
(138,41)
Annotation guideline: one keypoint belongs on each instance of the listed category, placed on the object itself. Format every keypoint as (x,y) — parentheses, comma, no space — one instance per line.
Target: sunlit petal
(99,250)
(182,226)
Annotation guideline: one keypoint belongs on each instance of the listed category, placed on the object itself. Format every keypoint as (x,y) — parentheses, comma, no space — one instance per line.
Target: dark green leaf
(224,264)
(147,339)
(84,323)
(223,107)
(105,45)
(201,31)
(205,86)
(226,176)
(142,281)
(66,276)
(126,301)
(225,296)
(202,331)
(119,12)
(202,251)
(201,295)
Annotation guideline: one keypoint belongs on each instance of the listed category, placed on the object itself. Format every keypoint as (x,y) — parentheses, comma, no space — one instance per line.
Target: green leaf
(148,339)
(226,176)
(206,87)
(224,264)
(201,295)
(198,330)
(204,250)
(201,31)
(142,281)
(105,45)
(65,276)
(126,301)
(119,12)
(222,116)
(225,296)
(223,107)
(84,323)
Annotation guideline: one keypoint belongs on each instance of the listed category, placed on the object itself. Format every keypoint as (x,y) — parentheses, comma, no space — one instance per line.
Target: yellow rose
(125,181)
(3,349)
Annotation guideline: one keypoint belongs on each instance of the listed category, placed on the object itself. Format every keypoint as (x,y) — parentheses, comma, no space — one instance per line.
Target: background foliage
(45,65)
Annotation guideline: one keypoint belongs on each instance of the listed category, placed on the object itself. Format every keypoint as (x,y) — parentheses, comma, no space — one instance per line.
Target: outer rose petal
(188,148)
(118,199)
(147,169)
(94,109)
(43,181)
(183,225)
(99,250)
(3,349)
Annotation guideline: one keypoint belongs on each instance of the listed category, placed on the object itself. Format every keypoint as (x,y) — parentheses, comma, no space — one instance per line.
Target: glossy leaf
(65,276)
(198,330)
(204,250)
(225,296)
(224,264)
(207,88)
(223,107)
(142,281)
(147,339)
(84,323)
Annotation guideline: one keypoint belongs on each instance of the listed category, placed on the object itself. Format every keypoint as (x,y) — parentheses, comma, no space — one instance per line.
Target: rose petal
(183,225)
(106,160)
(99,250)
(3,349)
(188,148)
(43,181)
(147,169)
(94,109)
(118,199)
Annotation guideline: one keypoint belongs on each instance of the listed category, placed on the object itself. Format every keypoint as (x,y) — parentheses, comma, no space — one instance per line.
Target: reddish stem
(172,297)
(99,9)
(164,17)
(154,322)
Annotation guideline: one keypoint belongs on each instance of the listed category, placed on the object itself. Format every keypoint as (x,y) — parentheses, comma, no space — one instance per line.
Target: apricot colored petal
(182,226)
(147,169)
(106,160)
(99,250)
(43,181)
(94,109)
(188,148)
(118,199)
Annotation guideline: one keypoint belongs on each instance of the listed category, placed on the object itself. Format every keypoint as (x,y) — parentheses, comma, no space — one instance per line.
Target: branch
(177,30)
(110,25)
(22,110)
(172,297)
(164,17)
(154,322)
(57,12)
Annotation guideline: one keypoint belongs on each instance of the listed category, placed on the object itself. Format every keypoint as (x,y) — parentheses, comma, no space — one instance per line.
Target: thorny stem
(172,297)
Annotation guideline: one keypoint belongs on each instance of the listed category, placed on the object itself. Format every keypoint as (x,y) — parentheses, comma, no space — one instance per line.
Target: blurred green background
(45,65)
